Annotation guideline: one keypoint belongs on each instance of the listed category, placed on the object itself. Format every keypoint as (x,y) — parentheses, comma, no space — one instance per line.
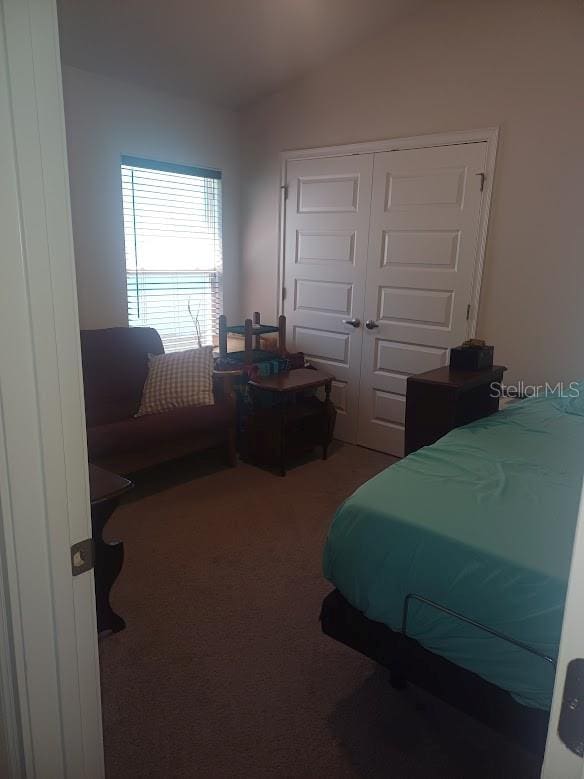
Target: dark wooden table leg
(109,558)
(283,438)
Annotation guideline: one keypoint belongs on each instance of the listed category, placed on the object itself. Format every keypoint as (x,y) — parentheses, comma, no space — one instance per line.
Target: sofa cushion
(178,379)
(115,366)
(140,432)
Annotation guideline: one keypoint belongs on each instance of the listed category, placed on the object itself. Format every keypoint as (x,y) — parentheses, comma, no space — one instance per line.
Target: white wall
(458,65)
(107,118)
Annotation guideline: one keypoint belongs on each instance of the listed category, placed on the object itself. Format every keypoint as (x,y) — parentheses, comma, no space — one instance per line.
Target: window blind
(174,258)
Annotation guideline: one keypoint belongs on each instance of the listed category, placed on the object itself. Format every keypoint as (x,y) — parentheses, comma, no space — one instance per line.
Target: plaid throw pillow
(178,379)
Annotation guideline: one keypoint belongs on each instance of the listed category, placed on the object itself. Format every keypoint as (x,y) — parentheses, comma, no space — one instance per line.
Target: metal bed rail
(470,621)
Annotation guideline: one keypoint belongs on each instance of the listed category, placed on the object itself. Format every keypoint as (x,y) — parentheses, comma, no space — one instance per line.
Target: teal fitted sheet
(481,522)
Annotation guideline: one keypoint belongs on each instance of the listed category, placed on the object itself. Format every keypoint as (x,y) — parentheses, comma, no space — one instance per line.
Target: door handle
(371,324)
(353,322)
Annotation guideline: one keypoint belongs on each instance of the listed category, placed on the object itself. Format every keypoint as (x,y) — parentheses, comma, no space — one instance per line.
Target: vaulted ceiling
(227,51)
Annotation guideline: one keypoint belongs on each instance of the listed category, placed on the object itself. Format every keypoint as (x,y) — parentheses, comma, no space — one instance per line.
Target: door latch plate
(82,557)
(571,722)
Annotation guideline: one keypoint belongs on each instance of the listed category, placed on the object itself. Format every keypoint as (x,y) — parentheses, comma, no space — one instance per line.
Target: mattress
(482,523)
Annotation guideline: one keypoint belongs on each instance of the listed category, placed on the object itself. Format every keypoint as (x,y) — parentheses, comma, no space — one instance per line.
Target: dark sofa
(115,366)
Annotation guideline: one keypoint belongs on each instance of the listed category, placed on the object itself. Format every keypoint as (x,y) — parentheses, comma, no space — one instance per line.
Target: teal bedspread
(481,522)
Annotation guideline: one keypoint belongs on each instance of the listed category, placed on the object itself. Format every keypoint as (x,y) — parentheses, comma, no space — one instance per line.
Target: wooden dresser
(440,400)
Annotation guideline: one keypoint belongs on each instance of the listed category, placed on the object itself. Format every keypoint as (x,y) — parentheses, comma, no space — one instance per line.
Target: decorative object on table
(105,491)
(253,361)
(440,400)
(252,330)
(287,417)
(472,355)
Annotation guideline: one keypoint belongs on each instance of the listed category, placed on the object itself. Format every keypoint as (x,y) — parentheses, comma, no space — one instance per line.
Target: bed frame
(407,660)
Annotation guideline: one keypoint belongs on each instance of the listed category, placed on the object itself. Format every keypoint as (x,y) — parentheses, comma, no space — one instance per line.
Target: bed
(451,566)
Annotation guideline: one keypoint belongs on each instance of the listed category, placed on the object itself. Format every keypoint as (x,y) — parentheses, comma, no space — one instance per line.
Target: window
(172,230)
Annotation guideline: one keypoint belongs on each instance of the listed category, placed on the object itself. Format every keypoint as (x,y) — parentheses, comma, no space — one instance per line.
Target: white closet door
(423,250)
(325,257)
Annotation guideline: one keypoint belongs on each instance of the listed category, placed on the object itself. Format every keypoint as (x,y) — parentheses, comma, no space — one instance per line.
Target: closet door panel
(325,258)
(423,248)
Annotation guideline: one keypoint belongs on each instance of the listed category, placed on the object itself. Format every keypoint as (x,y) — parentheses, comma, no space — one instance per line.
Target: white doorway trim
(49,675)
(490,135)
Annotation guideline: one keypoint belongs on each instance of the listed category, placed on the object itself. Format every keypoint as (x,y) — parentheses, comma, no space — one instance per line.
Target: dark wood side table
(438,401)
(105,491)
(296,421)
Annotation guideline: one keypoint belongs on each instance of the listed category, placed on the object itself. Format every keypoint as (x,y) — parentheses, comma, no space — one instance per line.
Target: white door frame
(490,135)
(49,674)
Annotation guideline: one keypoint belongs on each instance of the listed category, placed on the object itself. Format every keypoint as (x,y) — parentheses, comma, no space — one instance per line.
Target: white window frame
(210,280)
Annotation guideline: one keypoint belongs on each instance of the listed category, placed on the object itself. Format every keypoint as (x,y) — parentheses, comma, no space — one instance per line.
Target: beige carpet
(223,671)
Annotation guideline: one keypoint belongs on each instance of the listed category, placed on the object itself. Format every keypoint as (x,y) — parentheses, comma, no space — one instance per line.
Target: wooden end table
(294,422)
(105,490)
